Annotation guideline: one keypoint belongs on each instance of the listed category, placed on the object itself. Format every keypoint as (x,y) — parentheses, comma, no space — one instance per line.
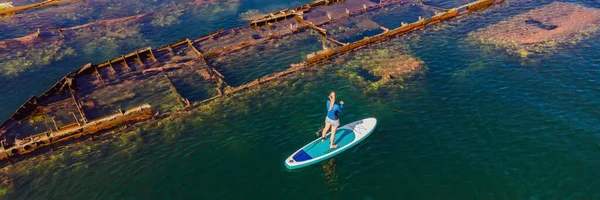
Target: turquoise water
(478,125)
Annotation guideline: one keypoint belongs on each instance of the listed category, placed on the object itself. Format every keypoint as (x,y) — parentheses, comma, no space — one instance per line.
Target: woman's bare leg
(327,125)
(331,145)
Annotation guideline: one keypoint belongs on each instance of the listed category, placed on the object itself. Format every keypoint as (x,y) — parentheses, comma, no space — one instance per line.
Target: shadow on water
(331,175)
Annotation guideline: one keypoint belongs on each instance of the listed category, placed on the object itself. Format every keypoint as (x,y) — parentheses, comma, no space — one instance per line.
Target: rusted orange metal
(201,51)
(31,143)
(32,6)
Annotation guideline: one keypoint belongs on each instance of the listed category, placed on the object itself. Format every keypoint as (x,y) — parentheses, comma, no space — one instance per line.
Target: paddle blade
(318,133)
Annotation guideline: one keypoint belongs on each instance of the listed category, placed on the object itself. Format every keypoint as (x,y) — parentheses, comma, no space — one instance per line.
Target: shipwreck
(184,75)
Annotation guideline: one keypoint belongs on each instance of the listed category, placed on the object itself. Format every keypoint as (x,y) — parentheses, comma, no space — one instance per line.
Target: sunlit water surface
(477,125)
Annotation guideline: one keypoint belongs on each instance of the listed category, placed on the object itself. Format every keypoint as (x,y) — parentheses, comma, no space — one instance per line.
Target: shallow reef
(540,30)
(366,65)
(386,66)
(252,15)
(23,53)
(101,37)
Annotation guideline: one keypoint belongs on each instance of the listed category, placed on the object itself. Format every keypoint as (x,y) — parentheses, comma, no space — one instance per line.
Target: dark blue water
(479,124)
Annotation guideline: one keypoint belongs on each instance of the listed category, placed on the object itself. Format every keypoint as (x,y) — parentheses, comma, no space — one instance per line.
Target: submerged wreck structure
(8,8)
(44,47)
(541,29)
(184,75)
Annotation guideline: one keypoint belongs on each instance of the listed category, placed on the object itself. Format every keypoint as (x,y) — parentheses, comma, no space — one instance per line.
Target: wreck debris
(28,144)
(160,79)
(405,28)
(369,40)
(321,15)
(102,38)
(285,14)
(381,67)
(44,47)
(542,28)
(14,9)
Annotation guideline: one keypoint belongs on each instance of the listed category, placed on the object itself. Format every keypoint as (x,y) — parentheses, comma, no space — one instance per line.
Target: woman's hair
(332,98)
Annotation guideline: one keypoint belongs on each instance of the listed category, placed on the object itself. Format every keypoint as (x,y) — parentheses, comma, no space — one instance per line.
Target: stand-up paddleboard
(318,150)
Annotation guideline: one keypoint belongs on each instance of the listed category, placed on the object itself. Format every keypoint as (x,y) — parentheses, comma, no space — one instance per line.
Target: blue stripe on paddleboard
(302,156)
(343,137)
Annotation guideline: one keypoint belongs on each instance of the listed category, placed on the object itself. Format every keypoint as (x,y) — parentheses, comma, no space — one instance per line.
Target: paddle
(318,133)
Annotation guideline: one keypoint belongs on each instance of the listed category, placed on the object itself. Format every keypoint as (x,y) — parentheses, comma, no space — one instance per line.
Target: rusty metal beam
(126,65)
(54,121)
(335,41)
(211,71)
(139,59)
(112,68)
(313,26)
(99,75)
(153,57)
(46,122)
(31,6)
(79,108)
(191,46)
(206,67)
(170,48)
(31,143)
(138,56)
(76,120)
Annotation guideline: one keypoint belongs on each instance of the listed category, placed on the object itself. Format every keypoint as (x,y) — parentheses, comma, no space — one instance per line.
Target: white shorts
(334,123)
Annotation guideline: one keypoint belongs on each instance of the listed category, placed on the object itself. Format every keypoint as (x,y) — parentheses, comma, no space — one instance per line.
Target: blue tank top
(333,113)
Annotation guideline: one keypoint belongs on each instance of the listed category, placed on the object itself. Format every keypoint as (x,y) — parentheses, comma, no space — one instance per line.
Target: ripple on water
(503,129)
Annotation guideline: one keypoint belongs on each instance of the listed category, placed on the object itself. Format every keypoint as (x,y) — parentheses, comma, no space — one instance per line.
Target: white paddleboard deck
(345,137)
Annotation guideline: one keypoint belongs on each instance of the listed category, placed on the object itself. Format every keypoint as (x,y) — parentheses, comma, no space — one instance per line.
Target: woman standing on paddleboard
(331,120)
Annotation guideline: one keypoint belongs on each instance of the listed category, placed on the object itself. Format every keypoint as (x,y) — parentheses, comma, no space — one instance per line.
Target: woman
(331,120)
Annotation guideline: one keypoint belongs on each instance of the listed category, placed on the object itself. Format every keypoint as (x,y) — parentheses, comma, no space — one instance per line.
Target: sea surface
(479,124)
